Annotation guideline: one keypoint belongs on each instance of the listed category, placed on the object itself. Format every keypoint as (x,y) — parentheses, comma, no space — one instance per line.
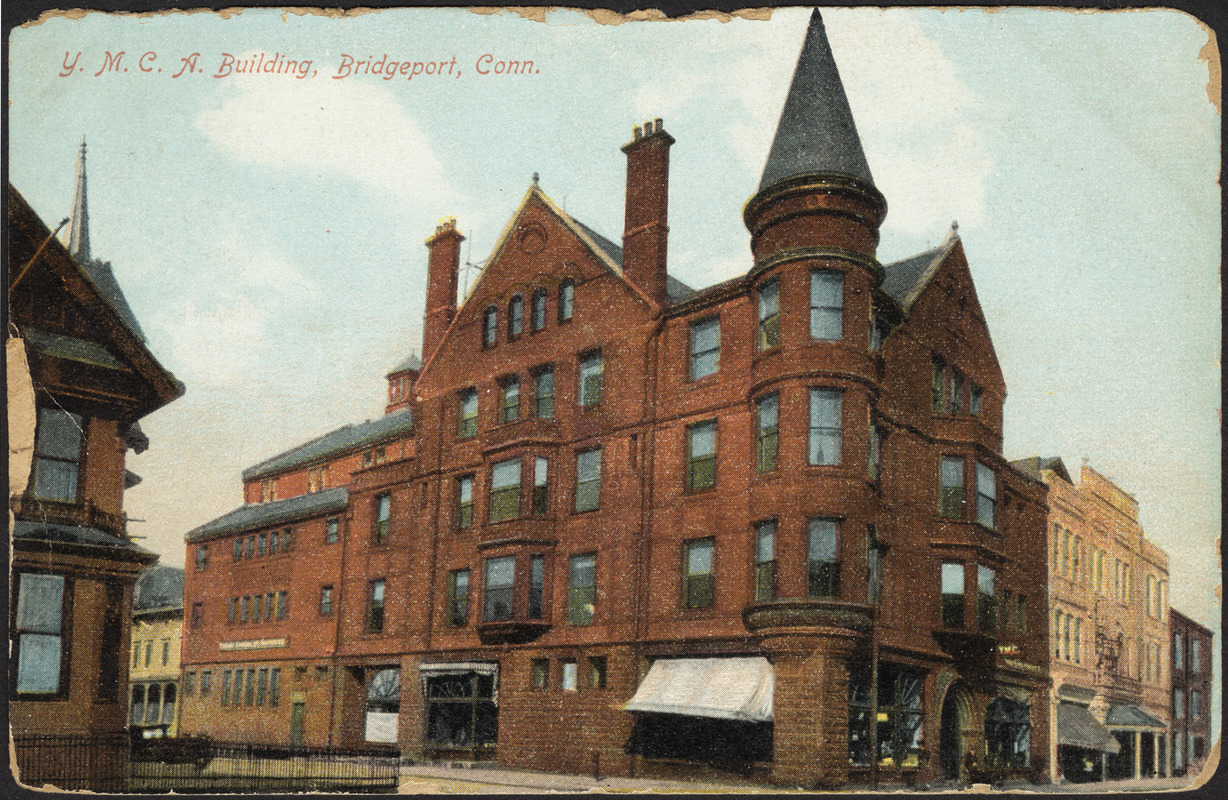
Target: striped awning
(724,688)
(1076,727)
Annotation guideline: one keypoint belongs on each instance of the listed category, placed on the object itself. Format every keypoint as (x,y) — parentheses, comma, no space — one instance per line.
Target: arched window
(1008,733)
(567,298)
(537,318)
(152,704)
(137,712)
(515,317)
(490,327)
(168,704)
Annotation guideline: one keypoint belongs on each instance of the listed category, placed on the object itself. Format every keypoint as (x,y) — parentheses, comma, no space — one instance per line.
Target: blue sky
(269,231)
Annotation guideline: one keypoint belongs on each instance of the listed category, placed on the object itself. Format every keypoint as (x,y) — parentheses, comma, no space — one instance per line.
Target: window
(697,579)
(490,327)
(876,551)
(326,600)
(769,315)
(262,685)
(152,703)
(951,487)
(202,557)
(505,490)
(249,687)
(822,559)
(226,687)
(274,685)
(952,595)
(198,614)
(567,296)
(256,601)
(541,485)
(497,595)
(581,589)
(1098,570)
(826,304)
(457,608)
(588,480)
(539,673)
(1178,702)
(464,501)
(315,479)
(231,611)
(596,672)
(765,561)
(938,369)
(590,379)
(701,455)
(244,610)
(537,316)
(166,652)
(238,548)
(1008,733)
(287,539)
(705,347)
(509,403)
(543,393)
(268,490)
(899,720)
(467,414)
(251,546)
(986,598)
(571,674)
(57,455)
(383,509)
(206,683)
(375,606)
(537,585)
(515,317)
(987,499)
(39,634)
(874,459)
(825,429)
(261,542)
(273,538)
(974,400)
(282,605)
(767,442)
(137,713)
(1195,655)
(956,397)
(1195,704)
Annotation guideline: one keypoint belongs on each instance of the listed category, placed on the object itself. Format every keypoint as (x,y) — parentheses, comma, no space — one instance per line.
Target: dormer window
(490,327)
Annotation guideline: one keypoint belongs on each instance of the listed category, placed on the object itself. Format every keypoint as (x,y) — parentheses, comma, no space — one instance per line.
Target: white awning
(725,688)
(490,668)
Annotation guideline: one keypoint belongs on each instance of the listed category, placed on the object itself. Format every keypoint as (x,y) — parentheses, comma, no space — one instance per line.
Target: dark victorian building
(92,378)
(762,528)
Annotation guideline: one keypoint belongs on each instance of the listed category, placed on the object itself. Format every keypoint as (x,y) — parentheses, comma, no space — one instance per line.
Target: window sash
(567,297)
(769,315)
(537,314)
(510,404)
(541,486)
(515,317)
(986,502)
(938,368)
(705,347)
(701,460)
(986,598)
(952,595)
(951,491)
(581,589)
(457,606)
(375,606)
(490,327)
(823,559)
(826,305)
(768,439)
(57,448)
(826,432)
(957,391)
(467,418)
(543,394)
(55,480)
(505,490)
(590,380)
(698,578)
(588,480)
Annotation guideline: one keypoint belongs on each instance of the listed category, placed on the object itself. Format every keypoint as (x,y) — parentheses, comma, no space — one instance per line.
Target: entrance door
(298,711)
(950,735)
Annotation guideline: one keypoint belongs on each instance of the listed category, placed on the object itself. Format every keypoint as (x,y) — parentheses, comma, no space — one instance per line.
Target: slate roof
(258,515)
(903,280)
(816,133)
(72,534)
(1033,466)
(71,348)
(159,587)
(410,361)
(675,290)
(103,278)
(344,438)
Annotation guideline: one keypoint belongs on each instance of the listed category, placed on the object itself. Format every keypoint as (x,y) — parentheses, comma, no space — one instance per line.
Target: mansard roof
(816,133)
(347,437)
(258,515)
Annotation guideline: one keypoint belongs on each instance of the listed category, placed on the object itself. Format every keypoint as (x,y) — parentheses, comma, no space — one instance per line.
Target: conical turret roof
(816,134)
(79,234)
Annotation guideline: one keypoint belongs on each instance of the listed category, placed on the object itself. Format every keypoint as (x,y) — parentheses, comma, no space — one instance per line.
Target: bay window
(767,441)
(505,490)
(769,315)
(826,432)
(498,589)
(826,304)
(823,559)
(951,487)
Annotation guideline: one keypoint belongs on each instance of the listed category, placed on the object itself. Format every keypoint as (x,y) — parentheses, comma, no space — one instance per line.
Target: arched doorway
(954,721)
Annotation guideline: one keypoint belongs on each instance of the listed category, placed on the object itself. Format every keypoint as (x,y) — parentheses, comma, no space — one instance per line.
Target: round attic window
(532,238)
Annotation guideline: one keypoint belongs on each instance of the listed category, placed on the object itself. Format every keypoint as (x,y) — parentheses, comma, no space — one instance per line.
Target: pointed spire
(816,134)
(79,231)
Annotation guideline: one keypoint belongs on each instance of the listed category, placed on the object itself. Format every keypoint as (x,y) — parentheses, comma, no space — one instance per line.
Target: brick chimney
(647,203)
(442,266)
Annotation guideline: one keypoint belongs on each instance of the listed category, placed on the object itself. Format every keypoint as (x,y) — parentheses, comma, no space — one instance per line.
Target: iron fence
(197,765)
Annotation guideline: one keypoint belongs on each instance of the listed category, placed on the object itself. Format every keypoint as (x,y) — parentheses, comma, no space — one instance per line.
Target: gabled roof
(675,290)
(410,361)
(1033,466)
(103,277)
(904,280)
(816,133)
(347,437)
(259,515)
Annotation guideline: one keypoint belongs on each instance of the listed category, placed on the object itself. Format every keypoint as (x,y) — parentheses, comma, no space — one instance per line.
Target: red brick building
(764,527)
(91,379)
(1191,693)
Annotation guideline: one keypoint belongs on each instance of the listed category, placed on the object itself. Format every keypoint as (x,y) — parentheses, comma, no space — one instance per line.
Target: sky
(268,229)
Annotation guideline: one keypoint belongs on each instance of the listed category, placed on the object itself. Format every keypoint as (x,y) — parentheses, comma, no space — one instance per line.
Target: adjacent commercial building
(1108,606)
(1191,694)
(91,379)
(157,629)
(616,522)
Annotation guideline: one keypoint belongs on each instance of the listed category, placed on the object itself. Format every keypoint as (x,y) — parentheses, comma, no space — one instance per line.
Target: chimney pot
(635,131)
(656,125)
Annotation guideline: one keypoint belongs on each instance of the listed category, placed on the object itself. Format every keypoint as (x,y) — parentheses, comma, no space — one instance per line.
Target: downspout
(345,543)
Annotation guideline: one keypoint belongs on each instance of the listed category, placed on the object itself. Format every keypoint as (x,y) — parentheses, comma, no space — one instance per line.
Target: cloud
(348,128)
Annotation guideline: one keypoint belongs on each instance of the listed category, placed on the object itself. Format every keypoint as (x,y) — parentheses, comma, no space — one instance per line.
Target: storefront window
(1008,733)
(899,716)
(461,711)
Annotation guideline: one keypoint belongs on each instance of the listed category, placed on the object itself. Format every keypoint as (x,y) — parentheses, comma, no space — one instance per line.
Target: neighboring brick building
(1190,702)
(1108,605)
(763,527)
(93,378)
(157,630)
